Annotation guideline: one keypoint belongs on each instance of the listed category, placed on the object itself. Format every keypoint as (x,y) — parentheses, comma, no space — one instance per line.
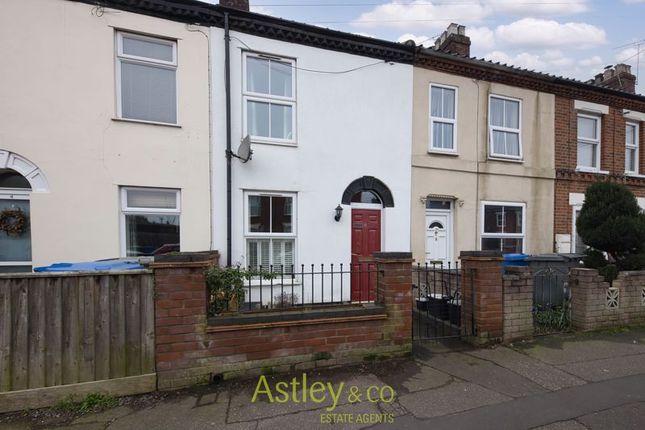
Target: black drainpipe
(229,156)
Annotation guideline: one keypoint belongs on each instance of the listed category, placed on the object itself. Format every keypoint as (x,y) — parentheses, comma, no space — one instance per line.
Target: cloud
(481,38)
(422,14)
(539,7)
(263,10)
(540,33)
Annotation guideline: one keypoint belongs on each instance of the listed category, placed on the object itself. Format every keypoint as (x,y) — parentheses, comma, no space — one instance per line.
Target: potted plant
(226,287)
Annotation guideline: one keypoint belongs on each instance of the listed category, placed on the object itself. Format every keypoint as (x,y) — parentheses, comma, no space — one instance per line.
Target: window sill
(596,171)
(506,159)
(635,175)
(140,121)
(274,142)
(440,152)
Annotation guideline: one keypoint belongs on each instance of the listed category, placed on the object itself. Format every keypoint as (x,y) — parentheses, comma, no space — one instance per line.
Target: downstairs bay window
(270,231)
(503,227)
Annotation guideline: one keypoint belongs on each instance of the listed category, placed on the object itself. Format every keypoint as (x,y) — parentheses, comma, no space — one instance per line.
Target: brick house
(597,137)
(598,128)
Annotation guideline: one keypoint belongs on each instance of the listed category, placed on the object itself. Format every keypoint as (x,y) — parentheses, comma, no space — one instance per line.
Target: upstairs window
(504,127)
(269,98)
(443,118)
(146,78)
(588,142)
(631,148)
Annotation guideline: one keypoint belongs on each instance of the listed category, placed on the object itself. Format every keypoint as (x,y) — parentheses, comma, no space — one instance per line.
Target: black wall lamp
(339,213)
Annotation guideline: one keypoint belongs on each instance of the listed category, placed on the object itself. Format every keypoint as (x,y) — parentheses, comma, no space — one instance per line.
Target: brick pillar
(482,296)
(518,303)
(588,299)
(394,291)
(180,315)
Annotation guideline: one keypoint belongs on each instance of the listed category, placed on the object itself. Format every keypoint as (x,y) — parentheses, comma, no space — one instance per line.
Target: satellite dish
(244,151)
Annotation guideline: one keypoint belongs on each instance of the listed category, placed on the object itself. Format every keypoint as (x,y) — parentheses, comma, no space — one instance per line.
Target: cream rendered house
(104,142)
(482,165)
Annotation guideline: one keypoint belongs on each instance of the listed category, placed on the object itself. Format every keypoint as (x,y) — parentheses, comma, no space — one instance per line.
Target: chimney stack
(617,78)
(454,41)
(235,4)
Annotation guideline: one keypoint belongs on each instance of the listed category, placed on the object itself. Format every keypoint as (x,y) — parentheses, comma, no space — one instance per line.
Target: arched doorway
(15,242)
(367,197)
(19,178)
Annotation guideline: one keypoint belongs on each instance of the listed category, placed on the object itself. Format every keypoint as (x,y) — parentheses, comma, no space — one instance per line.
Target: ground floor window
(577,246)
(270,231)
(150,220)
(503,227)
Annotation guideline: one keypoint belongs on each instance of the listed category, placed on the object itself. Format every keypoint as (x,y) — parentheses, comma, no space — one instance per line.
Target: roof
(200,13)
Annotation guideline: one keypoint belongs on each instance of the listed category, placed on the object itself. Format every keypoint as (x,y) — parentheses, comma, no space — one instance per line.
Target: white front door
(438,236)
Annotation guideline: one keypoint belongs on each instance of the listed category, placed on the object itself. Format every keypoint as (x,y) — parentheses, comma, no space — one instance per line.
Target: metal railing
(437,295)
(304,286)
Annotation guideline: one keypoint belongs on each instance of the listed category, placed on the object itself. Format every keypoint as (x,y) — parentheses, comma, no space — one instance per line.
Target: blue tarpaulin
(515,260)
(91,266)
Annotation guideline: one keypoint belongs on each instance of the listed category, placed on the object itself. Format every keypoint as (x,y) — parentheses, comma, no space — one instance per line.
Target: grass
(93,402)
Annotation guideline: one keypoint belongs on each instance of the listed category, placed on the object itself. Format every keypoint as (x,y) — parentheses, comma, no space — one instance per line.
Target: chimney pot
(235,4)
(618,77)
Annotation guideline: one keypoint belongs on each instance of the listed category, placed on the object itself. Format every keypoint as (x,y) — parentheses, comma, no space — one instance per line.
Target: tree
(611,221)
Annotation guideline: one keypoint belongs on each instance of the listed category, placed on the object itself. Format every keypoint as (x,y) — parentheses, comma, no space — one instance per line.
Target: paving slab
(484,373)
(624,417)
(105,416)
(243,409)
(570,348)
(183,413)
(562,425)
(546,376)
(609,368)
(412,376)
(454,397)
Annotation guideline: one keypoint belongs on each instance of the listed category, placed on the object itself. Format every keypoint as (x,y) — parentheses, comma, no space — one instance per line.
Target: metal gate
(551,299)
(439,310)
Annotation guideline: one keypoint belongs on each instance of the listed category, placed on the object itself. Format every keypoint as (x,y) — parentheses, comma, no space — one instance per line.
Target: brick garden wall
(189,350)
(518,303)
(596,304)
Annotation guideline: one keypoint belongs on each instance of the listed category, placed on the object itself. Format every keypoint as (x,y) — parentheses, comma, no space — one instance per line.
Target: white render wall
(348,126)
(57,104)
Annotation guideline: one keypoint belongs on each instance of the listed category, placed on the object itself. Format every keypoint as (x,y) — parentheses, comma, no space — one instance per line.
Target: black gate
(438,294)
(551,299)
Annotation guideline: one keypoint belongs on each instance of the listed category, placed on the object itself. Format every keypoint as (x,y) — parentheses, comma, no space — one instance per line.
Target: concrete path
(561,382)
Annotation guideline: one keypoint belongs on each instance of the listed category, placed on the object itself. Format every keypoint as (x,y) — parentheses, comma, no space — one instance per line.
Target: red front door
(366,239)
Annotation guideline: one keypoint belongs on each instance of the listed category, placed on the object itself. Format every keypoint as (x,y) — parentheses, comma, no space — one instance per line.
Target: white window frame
(268,98)
(17,194)
(121,58)
(484,235)
(597,141)
(635,146)
(127,210)
(492,128)
(574,228)
(432,148)
(248,235)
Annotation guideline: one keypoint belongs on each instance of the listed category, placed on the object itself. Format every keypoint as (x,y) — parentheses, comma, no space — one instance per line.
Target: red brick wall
(612,158)
(189,351)
(483,301)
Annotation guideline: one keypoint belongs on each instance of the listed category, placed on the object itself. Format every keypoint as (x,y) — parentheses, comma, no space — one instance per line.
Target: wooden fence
(62,329)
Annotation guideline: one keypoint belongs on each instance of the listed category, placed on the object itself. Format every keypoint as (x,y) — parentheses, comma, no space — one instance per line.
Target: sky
(571,38)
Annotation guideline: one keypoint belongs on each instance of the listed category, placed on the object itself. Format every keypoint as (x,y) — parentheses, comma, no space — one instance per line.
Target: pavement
(557,382)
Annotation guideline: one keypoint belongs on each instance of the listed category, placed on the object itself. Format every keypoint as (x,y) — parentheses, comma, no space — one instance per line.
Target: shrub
(611,221)
(226,287)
